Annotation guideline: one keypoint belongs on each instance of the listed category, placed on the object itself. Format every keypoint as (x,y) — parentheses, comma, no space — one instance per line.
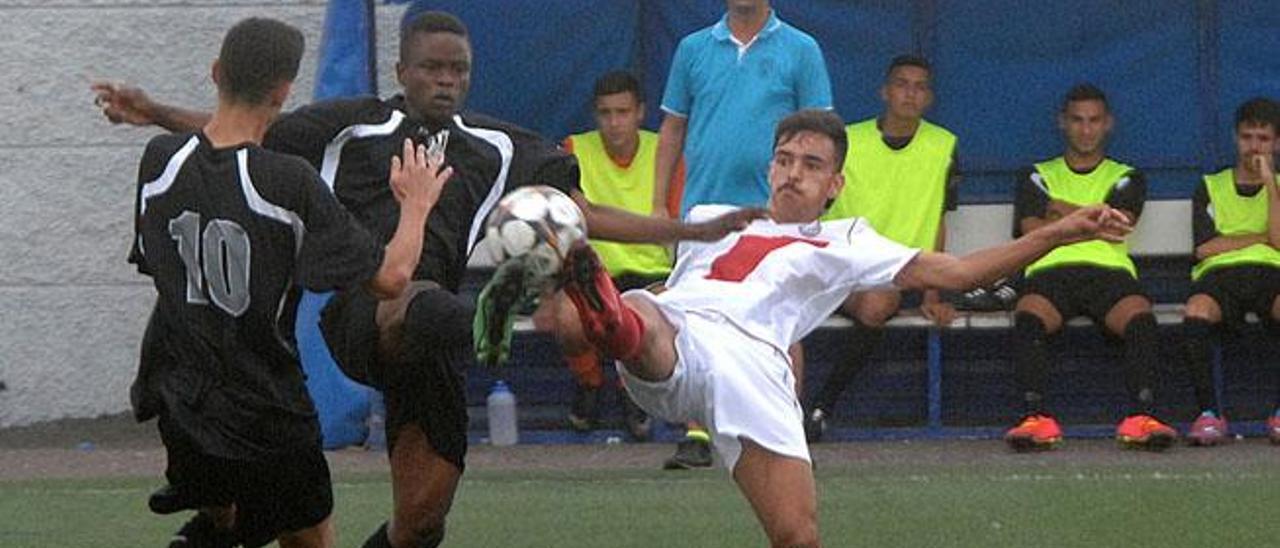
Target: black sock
(378,539)
(434,539)
(1273,344)
(864,342)
(203,530)
(1141,350)
(1030,360)
(1197,354)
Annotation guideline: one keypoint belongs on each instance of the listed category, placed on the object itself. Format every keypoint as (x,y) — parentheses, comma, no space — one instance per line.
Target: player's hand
(123,104)
(1096,222)
(719,227)
(934,309)
(417,178)
(1264,164)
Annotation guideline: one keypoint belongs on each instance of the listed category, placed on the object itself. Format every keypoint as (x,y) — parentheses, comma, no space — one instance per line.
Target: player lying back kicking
(713,347)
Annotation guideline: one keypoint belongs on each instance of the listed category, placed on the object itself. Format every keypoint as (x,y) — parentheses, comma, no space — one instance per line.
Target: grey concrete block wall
(71,310)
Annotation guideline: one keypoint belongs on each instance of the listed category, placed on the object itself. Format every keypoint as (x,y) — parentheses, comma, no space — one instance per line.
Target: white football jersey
(778,282)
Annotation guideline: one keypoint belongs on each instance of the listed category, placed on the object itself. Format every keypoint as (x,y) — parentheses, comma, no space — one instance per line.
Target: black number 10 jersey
(227,234)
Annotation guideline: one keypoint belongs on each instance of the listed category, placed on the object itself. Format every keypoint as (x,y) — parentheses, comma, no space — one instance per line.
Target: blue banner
(348,58)
(1174,71)
(347,68)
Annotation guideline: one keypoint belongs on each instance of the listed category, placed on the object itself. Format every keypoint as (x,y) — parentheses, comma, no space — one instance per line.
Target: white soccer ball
(535,219)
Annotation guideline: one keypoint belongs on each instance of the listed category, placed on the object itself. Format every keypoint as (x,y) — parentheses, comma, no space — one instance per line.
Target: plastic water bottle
(502,415)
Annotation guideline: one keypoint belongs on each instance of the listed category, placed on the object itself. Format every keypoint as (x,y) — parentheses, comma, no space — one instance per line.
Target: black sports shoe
(201,532)
(815,425)
(639,425)
(690,454)
(584,416)
(998,296)
(496,307)
(514,288)
(169,500)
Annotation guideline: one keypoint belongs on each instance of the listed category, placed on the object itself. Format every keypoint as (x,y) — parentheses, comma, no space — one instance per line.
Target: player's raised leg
(631,329)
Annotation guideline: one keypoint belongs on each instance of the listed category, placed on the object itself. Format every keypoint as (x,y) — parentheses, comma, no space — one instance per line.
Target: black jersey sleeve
(1203,228)
(1031,199)
(539,161)
(336,251)
(1129,194)
(304,133)
(154,160)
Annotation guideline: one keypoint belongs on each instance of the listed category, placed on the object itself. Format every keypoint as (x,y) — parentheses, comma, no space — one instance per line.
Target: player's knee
(1125,311)
(439,319)
(873,309)
(1202,306)
(875,316)
(1042,310)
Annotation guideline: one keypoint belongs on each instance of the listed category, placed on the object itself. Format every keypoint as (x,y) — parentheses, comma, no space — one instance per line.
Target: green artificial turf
(878,505)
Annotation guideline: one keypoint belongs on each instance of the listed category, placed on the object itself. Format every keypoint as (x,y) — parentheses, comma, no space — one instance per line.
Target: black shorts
(273,494)
(425,386)
(1087,291)
(1239,290)
(629,280)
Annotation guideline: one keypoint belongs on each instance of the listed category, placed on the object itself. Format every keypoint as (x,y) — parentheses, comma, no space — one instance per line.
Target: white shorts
(734,385)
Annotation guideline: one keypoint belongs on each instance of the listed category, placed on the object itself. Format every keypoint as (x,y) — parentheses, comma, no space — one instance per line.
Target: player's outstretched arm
(123,104)
(416,182)
(942,271)
(607,223)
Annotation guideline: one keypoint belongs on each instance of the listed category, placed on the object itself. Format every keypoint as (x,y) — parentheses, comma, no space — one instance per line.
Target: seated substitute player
(900,176)
(1094,278)
(713,346)
(415,346)
(617,165)
(226,229)
(1236,225)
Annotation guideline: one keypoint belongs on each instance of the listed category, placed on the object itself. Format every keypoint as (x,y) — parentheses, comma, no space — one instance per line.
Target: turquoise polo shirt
(733,96)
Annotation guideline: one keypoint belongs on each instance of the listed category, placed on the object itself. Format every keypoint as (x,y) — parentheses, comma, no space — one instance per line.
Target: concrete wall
(71,309)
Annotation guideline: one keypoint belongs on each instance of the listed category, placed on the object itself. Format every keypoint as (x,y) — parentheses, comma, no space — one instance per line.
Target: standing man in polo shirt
(900,175)
(730,84)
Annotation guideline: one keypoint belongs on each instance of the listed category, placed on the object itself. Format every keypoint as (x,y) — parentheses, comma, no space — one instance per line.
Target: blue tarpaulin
(347,68)
(1174,70)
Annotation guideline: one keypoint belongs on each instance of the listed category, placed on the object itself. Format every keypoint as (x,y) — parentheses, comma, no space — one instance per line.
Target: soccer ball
(536,220)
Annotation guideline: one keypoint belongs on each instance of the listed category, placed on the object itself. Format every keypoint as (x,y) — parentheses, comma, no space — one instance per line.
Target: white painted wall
(71,309)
